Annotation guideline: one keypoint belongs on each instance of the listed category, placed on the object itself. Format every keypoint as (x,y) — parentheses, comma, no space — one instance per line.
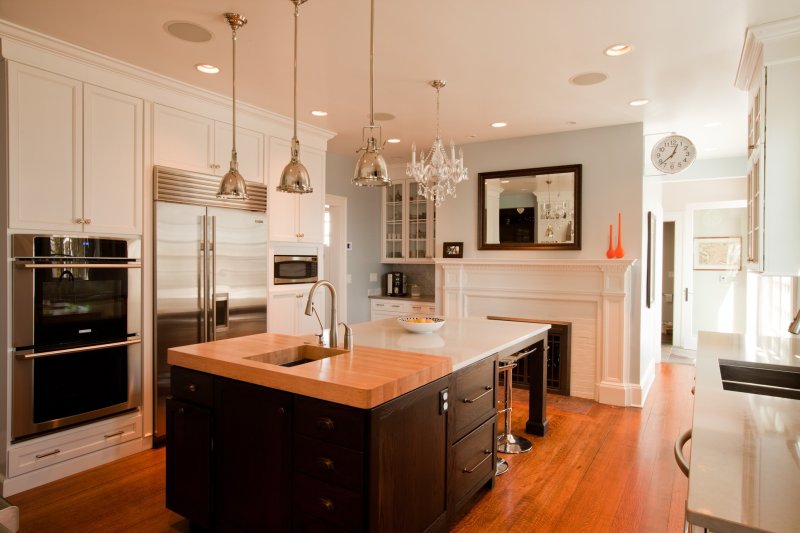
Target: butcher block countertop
(388,363)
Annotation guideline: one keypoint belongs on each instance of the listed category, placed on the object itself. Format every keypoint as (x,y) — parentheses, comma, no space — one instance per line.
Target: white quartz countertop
(745,450)
(463,340)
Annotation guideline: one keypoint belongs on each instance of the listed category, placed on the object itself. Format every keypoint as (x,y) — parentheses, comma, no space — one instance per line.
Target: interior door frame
(336,253)
(677,282)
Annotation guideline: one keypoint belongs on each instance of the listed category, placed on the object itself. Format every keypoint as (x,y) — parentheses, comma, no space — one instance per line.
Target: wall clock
(673,153)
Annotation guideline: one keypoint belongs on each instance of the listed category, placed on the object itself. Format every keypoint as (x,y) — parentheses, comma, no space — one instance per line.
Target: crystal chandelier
(551,211)
(437,174)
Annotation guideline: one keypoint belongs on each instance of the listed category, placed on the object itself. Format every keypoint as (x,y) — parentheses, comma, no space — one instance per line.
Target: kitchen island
(395,435)
(745,448)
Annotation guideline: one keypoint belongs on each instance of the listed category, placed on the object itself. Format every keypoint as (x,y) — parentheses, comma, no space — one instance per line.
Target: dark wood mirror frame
(484,177)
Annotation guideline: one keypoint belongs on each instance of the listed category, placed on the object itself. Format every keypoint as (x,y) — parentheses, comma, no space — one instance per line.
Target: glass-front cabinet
(408,224)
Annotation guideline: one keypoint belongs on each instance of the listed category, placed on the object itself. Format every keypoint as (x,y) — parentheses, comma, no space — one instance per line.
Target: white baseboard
(639,392)
(610,393)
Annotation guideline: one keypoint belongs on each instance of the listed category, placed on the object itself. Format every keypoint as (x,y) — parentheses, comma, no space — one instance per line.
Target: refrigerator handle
(204,278)
(212,301)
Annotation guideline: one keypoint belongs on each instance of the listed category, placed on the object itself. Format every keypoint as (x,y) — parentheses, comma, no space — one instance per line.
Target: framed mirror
(530,209)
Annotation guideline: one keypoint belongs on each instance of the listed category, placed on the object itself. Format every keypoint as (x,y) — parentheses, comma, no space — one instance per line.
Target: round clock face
(673,154)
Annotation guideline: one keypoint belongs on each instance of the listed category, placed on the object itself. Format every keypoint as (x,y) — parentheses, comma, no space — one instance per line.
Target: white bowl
(421,324)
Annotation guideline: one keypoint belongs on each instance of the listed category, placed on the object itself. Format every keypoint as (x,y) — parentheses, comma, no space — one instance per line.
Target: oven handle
(80,265)
(135,340)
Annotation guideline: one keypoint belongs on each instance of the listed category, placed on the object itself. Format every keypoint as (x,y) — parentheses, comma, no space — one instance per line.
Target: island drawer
(333,504)
(192,386)
(474,396)
(329,462)
(330,422)
(472,462)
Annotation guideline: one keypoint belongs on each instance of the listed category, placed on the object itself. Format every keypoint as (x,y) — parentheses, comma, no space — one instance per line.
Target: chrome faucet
(794,327)
(334,337)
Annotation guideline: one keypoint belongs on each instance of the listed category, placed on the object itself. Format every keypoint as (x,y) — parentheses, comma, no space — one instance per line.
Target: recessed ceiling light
(393,141)
(641,101)
(570,123)
(499,124)
(588,78)
(188,31)
(618,50)
(384,116)
(471,136)
(320,113)
(712,125)
(207,69)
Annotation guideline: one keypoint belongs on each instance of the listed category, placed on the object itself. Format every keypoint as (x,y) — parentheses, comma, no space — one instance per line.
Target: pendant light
(294,177)
(233,185)
(371,168)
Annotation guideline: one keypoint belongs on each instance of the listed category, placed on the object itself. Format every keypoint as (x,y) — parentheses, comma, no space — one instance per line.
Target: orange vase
(610,251)
(619,252)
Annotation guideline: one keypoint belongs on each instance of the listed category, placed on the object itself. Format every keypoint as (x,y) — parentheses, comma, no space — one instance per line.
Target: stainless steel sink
(296,355)
(760,378)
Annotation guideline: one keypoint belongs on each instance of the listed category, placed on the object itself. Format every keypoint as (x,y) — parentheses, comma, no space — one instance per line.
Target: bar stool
(501,467)
(508,443)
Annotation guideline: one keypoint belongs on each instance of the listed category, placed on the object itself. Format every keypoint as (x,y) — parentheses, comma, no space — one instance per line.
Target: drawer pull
(115,434)
(523,354)
(192,387)
(325,423)
(48,454)
(488,454)
(488,389)
(326,504)
(281,410)
(325,463)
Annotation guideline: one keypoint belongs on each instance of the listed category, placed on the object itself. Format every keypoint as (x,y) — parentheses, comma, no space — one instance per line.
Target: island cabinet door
(189,461)
(252,448)
(408,461)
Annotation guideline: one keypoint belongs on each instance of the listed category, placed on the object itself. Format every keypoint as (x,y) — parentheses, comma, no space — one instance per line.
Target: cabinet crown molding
(770,35)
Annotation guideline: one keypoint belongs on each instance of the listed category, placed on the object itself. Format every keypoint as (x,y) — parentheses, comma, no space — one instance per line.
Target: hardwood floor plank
(600,468)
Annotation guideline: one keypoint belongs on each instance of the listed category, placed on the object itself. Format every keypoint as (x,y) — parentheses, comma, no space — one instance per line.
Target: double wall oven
(76,331)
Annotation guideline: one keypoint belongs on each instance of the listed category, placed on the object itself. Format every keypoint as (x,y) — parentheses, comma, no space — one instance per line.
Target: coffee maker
(396,284)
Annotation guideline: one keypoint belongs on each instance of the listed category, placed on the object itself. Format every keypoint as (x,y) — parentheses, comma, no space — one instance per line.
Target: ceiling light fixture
(640,102)
(371,168)
(207,69)
(499,124)
(320,113)
(393,141)
(618,50)
(233,186)
(294,177)
(437,175)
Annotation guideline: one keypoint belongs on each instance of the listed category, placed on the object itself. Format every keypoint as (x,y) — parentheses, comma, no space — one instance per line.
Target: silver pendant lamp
(371,168)
(294,177)
(233,185)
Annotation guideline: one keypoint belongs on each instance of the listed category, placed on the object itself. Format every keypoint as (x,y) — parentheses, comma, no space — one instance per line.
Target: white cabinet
(193,142)
(296,217)
(770,71)
(390,307)
(408,224)
(286,312)
(75,155)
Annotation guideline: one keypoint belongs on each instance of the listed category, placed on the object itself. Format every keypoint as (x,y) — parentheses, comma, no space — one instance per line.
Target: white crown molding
(772,35)
(14,40)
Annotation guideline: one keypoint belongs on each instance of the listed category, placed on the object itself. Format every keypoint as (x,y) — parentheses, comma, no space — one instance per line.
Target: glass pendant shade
(294,178)
(233,185)
(371,168)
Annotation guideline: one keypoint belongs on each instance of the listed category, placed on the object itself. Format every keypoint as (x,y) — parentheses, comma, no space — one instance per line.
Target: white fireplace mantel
(593,295)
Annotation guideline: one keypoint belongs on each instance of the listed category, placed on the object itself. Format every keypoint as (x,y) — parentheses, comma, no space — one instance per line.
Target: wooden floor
(600,468)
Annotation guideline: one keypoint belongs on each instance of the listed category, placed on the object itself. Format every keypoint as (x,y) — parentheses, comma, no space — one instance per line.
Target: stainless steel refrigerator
(210,268)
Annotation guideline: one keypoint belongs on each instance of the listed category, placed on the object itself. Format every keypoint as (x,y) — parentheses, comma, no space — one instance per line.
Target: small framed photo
(718,253)
(452,249)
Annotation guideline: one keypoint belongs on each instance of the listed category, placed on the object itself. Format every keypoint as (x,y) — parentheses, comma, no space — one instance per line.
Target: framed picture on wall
(452,249)
(651,258)
(718,253)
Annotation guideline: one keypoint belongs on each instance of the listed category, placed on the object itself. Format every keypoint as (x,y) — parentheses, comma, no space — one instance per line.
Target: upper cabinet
(193,142)
(408,224)
(296,217)
(770,71)
(75,155)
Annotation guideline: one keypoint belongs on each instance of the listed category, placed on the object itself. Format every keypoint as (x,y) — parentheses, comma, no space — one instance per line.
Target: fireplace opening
(558,360)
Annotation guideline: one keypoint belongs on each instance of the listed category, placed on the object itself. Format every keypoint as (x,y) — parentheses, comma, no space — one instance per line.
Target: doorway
(335,251)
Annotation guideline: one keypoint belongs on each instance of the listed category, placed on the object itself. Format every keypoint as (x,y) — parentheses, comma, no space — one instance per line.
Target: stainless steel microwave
(295,269)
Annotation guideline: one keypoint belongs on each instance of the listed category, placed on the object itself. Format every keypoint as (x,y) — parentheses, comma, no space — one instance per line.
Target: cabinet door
(282,312)
(183,140)
(112,161)
(253,437)
(311,207)
(419,215)
(189,461)
(393,227)
(45,150)
(249,151)
(282,206)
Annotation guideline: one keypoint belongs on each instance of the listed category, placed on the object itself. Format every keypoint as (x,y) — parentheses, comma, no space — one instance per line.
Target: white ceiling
(504,60)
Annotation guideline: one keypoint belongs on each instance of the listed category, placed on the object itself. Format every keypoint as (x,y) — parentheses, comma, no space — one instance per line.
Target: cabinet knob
(326,504)
(192,387)
(79,221)
(325,463)
(281,410)
(325,423)
(87,220)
